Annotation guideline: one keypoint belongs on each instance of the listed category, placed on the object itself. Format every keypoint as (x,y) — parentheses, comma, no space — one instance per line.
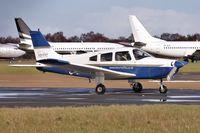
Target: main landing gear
(100,89)
(137,87)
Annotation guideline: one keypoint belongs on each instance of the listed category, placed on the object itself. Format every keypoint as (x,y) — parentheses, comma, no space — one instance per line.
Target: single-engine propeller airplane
(118,64)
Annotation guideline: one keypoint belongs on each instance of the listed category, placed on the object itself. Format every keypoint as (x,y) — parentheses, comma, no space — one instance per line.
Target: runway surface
(45,97)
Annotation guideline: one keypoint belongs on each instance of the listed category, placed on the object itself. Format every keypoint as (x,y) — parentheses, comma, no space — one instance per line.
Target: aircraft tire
(137,87)
(187,60)
(163,89)
(100,89)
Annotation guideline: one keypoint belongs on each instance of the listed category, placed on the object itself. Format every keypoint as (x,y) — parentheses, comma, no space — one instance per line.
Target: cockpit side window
(139,54)
(122,56)
(93,58)
(106,57)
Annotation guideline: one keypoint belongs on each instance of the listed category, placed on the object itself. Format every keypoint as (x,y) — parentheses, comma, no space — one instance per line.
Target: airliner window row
(82,48)
(181,47)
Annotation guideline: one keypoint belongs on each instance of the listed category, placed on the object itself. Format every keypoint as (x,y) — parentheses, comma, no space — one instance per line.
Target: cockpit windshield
(139,54)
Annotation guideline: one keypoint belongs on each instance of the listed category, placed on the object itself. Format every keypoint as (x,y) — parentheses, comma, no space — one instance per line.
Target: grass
(99,119)
(6,69)
(191,67)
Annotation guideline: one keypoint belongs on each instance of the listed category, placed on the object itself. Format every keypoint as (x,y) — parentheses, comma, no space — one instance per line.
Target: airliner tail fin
(139,32)
(24,34)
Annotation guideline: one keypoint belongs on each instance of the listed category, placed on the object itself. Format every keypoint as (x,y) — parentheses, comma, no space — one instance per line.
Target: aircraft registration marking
(123,67)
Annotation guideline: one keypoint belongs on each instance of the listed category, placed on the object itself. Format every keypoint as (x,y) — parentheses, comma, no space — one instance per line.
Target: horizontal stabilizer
(53,62)
(27,65)
(139,44)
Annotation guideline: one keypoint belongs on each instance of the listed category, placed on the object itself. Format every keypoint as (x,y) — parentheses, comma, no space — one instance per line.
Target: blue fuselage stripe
(140,71)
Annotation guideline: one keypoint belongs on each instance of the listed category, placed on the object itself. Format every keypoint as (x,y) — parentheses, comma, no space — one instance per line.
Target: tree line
(98,37)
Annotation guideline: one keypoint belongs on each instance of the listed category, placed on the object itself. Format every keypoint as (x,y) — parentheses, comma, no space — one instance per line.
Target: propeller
(177,66)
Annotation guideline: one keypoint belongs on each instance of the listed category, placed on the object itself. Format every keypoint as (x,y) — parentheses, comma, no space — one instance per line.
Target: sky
(109,17)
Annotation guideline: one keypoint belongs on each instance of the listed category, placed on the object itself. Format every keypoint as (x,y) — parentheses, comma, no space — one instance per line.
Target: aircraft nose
(21,52)
(180,64)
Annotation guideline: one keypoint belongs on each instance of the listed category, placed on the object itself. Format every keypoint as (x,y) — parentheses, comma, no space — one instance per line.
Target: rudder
(41,47)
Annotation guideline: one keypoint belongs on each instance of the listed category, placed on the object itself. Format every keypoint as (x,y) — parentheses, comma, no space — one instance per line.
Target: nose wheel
(100,89)
(163,88)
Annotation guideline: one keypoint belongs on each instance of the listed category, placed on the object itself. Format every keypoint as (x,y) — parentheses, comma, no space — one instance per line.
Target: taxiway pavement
(53,97)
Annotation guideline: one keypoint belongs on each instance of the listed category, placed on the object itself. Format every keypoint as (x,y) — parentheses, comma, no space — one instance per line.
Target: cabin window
(93,58)
(122,56)
(106,57)
(140,54)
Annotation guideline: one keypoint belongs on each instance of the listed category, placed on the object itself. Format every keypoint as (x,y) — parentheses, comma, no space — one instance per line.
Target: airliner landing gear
(186,59)
(137,87)
(100,89)
(163,88)
(11,60)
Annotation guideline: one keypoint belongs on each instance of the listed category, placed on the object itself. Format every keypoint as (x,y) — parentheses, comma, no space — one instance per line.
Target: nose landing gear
(163,88)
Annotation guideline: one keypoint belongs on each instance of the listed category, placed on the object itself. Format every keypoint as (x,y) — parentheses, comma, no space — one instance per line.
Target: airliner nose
(180,64)
(21,52)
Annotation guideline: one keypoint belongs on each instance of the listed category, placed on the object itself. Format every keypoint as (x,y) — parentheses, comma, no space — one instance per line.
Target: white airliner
(154,45)
(10,51)
(118,64)
(61,47)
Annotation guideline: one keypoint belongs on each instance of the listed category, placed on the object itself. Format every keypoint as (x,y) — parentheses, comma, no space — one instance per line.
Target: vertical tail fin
(24,34)
(41,47)
(139,32)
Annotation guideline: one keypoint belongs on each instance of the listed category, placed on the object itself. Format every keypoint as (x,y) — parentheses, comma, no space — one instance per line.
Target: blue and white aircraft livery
(118,64)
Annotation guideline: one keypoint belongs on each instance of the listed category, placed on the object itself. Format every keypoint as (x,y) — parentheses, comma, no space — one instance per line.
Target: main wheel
(137,87)
(186,59)
(163,89)
(100,89)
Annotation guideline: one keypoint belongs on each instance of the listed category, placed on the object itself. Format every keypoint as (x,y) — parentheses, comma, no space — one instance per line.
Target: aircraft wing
(109,74)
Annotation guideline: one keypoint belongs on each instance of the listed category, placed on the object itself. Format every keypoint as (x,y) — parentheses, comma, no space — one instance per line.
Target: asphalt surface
(187,76)
(53,97)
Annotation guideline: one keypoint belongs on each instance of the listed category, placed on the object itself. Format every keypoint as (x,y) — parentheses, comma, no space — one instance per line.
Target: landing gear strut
(163,88)
(100,88)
